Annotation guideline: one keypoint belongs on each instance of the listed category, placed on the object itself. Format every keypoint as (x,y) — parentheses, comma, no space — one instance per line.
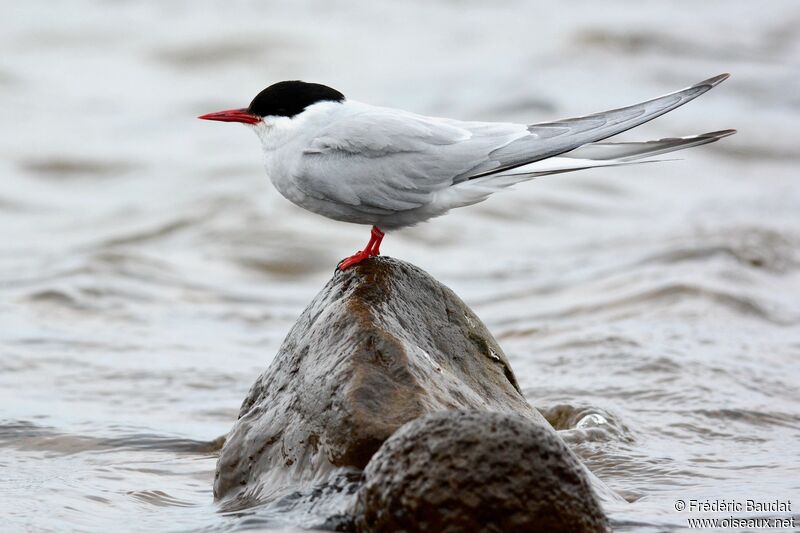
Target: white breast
(283,140)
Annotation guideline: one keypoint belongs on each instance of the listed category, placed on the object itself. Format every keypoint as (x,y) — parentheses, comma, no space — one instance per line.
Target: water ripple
(29,436)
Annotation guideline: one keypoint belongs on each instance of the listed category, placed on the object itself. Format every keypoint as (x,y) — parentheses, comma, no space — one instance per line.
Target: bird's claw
(354,259)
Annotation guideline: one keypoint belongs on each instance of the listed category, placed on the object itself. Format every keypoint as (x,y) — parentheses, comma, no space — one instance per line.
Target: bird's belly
(281,177)
(326,208)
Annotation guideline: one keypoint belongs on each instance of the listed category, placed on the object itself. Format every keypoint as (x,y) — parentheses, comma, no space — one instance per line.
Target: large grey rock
(382,344)
(476,471)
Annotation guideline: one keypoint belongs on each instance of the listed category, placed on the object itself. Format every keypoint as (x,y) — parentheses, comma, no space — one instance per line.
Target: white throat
(275,132)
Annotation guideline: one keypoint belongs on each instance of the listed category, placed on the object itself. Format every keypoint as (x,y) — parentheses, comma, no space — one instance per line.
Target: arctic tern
(388,168)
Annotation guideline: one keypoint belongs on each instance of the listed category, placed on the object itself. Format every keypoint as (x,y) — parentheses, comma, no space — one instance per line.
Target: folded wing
(549,139)
(379,161)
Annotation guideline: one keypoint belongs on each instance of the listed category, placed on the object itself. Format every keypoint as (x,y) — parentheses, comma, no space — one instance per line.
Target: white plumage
(358,163)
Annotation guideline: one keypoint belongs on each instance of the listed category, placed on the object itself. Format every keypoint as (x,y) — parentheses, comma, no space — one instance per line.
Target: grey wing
(549,139)
(383,161)
(370,185)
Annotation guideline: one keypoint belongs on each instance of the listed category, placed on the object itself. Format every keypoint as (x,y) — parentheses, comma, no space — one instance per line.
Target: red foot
(354,259)
(372,249)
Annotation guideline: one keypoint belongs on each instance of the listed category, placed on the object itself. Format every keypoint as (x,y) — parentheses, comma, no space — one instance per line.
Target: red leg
(376,239)
(371,249)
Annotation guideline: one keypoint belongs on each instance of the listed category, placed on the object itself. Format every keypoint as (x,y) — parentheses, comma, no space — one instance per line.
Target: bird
(389,169)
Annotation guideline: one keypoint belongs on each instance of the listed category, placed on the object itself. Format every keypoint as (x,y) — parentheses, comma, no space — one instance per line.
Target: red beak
(233,115)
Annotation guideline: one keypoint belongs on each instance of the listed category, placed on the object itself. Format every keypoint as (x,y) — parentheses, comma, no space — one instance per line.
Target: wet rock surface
(384,351)
(382,344)
(476,471)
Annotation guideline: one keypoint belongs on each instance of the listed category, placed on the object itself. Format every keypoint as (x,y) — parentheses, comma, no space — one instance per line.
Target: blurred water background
(148,270)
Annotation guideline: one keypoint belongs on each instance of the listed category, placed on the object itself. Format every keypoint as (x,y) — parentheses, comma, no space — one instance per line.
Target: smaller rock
(476,471)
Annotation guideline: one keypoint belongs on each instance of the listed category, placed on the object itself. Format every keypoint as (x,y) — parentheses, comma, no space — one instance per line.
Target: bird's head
(282,100)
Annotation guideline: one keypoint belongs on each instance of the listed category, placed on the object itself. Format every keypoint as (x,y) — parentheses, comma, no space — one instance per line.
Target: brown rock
(382,344)
(476,471)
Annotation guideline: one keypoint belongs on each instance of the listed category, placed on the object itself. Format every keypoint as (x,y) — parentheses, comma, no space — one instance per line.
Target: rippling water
(148,271)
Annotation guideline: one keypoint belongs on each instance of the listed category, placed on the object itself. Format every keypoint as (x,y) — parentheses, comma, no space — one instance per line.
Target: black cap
(289,98)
